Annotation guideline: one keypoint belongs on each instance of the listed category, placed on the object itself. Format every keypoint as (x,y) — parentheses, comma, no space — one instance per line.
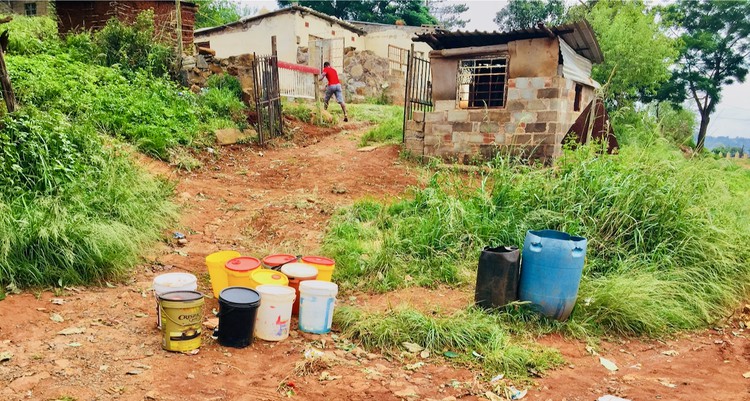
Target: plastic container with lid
(297,273)
(267,277)
(275,262)
(239,270)
(238,307)
(325,266)
(275,312)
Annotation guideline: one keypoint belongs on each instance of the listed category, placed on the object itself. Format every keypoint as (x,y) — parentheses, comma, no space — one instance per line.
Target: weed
(225,81)
(389,119)
(476,337)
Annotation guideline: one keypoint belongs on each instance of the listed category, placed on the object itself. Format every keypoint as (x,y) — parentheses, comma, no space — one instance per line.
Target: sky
(732,115)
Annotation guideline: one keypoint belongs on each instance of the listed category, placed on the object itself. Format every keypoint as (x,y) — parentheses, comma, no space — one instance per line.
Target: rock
(195,89)
(182,241)
(151,395)
(356,71)
(228,136)
(201,62)
(206,50)
(215,69)
(26,383)
(409,392)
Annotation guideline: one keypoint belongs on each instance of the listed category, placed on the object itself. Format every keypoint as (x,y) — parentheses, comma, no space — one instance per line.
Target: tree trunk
(705,118)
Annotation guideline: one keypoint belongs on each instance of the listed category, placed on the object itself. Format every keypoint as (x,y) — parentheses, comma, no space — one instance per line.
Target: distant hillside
(716,141)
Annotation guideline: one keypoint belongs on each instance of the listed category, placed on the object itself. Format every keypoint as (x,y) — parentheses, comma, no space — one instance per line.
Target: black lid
(239,297)
(181,296)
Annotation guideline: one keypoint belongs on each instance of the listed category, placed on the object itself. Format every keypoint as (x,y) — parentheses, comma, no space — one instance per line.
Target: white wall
(377,42)
(326,30)
(256,37)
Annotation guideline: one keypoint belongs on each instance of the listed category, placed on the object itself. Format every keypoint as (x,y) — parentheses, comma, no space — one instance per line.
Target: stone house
(491,91)
(28,8)
(75,16)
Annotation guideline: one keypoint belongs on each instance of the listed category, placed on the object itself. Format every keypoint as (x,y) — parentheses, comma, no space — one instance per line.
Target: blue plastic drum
(551,268)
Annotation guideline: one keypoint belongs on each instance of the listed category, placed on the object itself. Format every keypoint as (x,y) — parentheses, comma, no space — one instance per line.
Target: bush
(225,81)
(72,211)
(222,102)
(32,35)
(133,47)
(665,233)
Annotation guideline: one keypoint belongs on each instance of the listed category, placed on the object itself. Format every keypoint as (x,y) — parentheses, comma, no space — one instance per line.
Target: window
(577,101)
(29,9)
(481,82)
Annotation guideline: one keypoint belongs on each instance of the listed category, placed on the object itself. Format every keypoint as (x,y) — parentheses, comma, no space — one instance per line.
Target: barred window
(481,82)
(30,9)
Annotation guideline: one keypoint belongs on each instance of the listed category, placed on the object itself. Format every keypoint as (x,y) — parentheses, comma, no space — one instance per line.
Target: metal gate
(418,94)
(267,97)
(321,50)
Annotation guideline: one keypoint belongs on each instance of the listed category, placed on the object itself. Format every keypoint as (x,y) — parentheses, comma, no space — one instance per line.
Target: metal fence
(267,97)
(418,93)
(297,81)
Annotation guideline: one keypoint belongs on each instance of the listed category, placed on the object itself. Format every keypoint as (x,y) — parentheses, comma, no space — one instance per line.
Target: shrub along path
(280,200)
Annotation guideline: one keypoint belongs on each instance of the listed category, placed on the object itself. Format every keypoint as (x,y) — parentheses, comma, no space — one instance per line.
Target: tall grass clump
(666,234)
(390,121)
(32,35)
(72,210)
(474,336)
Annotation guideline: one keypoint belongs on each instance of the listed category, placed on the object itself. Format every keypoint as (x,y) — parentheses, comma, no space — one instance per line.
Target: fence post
(407,91)
(276,105)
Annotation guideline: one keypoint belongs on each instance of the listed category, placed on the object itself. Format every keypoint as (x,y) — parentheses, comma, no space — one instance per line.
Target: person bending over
(333,88)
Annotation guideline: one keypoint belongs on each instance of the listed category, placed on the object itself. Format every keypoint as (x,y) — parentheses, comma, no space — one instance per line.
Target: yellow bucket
(325,266)
(181,318)
(268,277)
(239,270)
(215,263)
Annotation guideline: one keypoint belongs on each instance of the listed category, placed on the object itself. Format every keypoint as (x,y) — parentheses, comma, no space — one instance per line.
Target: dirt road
(280,200)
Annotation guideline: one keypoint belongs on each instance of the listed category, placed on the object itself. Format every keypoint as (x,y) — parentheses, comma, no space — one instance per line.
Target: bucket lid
(318,260)
(299,270)
(318,287)
(239,296)
(267,289)
(243,264)
(174,279)
(265,276)
(181,296)
(222,256)
(278,260)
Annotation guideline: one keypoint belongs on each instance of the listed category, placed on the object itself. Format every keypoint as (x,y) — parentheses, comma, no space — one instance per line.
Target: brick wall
(536,117)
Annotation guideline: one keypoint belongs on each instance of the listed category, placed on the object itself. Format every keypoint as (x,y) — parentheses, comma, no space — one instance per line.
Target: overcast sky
(732,116)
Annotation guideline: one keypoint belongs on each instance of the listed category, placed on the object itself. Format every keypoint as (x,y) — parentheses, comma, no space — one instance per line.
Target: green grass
(389,120)
(476,337)
(72,209)
(666,234)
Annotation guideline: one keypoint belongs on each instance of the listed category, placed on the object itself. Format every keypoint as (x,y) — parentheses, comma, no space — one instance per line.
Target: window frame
(30,6)
(473,104)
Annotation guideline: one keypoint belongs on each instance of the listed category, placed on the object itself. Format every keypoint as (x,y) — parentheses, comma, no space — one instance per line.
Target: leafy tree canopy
(411,12)
(448,15)
(219,12)
(714,51)
(637,55)
(519,14)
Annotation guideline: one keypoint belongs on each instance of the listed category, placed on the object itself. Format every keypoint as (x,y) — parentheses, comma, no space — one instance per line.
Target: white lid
(276,292)
(318,287)
(299,270)
(174,279)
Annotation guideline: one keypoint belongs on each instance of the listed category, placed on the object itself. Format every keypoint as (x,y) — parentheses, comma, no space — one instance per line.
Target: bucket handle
(278,267)
(535,246)
(577,252)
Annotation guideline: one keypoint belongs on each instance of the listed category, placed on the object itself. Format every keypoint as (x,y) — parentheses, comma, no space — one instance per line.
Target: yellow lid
(269,277)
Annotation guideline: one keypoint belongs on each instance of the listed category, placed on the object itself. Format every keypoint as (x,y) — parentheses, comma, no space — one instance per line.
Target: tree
(637,54)
(411,12)
(219,12)
(520,14)
(448,15)
(714,52)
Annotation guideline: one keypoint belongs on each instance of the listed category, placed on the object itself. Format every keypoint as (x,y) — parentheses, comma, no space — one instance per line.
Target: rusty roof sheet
(579,35)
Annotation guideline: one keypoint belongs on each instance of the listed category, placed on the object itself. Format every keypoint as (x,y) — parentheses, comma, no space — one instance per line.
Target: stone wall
(197,69)
(368,76)
(533,123)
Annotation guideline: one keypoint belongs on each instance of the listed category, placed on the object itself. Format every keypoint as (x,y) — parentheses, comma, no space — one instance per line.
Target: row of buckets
(257,298)
(546,274)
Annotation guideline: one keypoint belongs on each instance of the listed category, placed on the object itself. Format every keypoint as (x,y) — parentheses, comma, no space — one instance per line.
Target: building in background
(28,8)
(75,16)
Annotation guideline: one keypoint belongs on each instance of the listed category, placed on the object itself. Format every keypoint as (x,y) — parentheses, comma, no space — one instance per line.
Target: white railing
(297,81)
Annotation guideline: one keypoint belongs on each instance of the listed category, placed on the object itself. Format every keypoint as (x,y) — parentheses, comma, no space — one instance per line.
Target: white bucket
(274,313)
(316,303)
(172,282)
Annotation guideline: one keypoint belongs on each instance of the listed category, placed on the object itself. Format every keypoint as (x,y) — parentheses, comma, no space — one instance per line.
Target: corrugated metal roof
(579,35)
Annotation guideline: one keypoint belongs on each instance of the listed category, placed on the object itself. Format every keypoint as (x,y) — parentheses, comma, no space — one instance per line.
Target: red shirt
(331,75)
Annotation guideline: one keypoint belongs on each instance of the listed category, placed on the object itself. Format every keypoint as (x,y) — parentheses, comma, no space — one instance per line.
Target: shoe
(346,119)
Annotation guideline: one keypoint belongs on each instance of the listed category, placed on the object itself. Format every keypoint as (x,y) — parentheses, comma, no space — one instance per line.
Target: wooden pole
(8,95)
(178,9)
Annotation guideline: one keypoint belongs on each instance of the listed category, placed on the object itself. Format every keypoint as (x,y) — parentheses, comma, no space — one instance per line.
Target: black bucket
(497,276)
(237,309)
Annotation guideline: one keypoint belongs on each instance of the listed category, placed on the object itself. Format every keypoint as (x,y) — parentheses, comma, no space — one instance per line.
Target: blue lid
(239,296)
